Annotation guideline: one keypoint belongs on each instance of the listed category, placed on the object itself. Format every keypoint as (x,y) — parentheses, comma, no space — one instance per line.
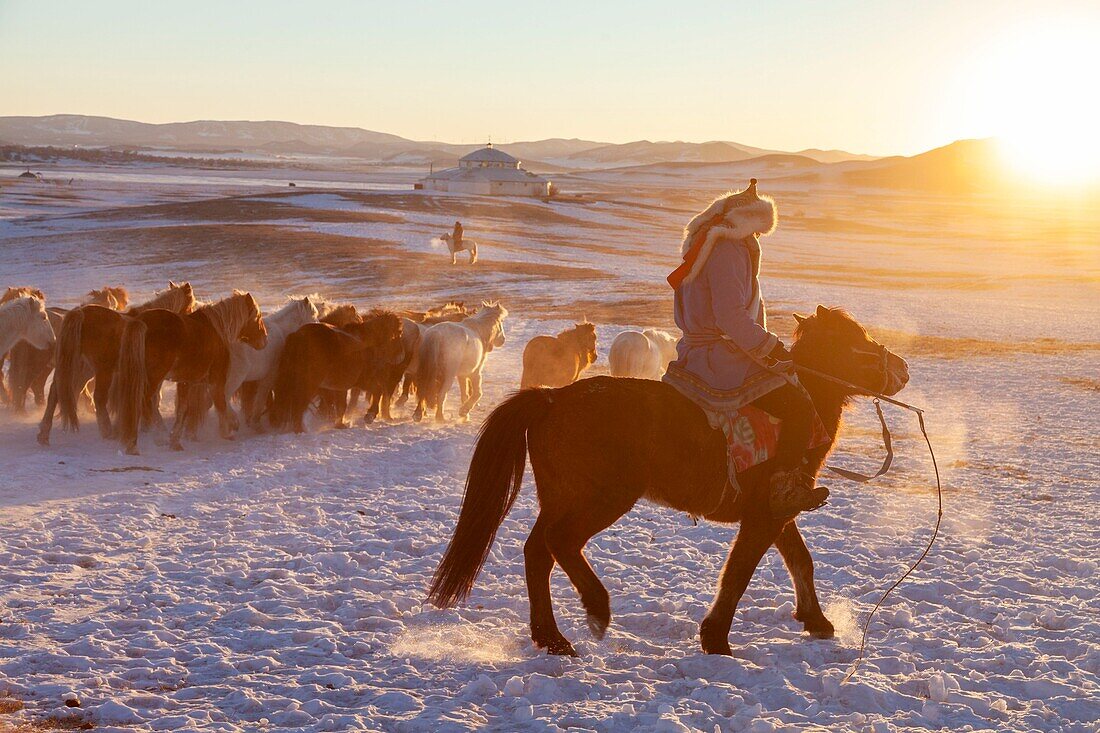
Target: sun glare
(1036,92)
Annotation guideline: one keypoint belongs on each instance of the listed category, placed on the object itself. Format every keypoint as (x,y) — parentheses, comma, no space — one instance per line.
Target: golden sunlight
(1034,92)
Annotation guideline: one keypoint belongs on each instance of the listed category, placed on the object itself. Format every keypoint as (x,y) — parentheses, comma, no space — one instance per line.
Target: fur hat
(733,216)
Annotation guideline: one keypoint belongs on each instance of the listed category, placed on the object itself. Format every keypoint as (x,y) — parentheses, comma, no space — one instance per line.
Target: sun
(1036,91)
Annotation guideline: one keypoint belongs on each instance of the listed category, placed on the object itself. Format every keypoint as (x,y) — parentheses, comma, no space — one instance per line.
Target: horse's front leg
(754,538)
(46,424)
(99,396)
(801,567)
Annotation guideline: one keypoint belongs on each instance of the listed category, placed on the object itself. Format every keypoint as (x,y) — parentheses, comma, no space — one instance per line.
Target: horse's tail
(492,485)
(290,398)
(69,367)
(431,379)
(128,390)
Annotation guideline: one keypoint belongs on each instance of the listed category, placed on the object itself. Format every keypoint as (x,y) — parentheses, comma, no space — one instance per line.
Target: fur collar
(735,216)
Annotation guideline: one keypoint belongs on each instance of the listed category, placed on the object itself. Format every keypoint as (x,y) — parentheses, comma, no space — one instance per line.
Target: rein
(862,478)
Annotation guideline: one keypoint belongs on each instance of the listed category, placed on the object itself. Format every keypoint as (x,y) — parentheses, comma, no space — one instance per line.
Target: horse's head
(586,336)
(38,332)
(496,312)
(833,342)
(254,331)
(19,292)
(308,309)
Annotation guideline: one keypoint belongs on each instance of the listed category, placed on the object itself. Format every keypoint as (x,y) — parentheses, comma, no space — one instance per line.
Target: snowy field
(276,582)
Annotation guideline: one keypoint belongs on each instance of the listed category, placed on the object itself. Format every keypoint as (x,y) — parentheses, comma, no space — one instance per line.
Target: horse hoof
(819,628)
(561,648)
(597,625)
(132,451)
(714,643)
(44,441)
(176,447)
(368,419)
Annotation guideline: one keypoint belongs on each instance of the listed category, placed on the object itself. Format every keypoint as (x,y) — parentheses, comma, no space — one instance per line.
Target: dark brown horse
(87,348)
(322,360)
(600,445)
(197,361)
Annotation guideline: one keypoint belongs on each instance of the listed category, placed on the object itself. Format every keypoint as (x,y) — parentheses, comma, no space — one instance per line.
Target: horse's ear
(799,317)
(171,283)
(823,312)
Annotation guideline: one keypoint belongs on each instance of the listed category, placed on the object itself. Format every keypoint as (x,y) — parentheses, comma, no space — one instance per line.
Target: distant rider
(456,237)
(726,343)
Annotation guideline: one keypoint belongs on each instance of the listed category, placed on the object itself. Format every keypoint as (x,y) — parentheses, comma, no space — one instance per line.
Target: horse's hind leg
(538,564)
(801,567)
(754,538)
(566,539)
(45,426)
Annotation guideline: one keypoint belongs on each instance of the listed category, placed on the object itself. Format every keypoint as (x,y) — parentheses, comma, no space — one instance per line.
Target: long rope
(939,496)
(932,539)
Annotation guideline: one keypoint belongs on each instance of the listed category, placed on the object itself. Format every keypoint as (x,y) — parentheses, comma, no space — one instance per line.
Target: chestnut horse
(192,351)
(88,347)
(600,445)
(555,361)
(322,360)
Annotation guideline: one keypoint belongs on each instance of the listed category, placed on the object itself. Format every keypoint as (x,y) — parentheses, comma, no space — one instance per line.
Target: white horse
(467,244)
(641,354)
(450,351)
(257,367)
(25,319)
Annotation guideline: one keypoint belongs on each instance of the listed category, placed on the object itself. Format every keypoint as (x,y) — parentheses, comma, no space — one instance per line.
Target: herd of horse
(596,446)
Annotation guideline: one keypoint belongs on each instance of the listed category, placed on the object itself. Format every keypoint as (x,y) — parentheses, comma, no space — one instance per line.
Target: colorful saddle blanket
(753,435)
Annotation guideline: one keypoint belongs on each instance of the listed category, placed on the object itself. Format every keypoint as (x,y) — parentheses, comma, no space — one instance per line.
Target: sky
(870,77)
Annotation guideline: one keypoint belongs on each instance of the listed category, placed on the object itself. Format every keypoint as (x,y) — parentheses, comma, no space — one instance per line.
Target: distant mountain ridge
(289,138)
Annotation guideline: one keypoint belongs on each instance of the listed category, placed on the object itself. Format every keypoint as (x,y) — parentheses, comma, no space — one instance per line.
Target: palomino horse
(467,244)
(338,315)
(641,354)
(555,361)
(201,361)
(88,347)
(322,360)
(450,351)
(11,294)
(31,367)
(25,318)
(600,445)
(257,367)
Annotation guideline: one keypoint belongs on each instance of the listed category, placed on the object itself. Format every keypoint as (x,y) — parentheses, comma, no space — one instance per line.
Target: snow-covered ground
(276,582)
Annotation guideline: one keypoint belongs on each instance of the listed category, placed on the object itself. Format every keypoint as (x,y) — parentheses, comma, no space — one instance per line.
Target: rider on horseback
(726,356)
(456,237)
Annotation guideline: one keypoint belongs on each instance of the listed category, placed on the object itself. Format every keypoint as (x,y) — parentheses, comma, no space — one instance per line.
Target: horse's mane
(305,304)
(451,311)
(577,330)
(379,325)
(338,315)
(229,315)
(838,318)
(21,291)
(177,298)
(109,296)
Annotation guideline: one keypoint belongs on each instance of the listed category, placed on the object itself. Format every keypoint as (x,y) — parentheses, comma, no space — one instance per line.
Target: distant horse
(555,361)
(25,318)
(11,294)
(115,298)
(257,367)
(322,360)
(88,347)
(467,244)
(202,361)
(450,351)
(600,445)
(641,354)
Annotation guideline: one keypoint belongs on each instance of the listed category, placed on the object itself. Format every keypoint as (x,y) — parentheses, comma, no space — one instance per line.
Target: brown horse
(196,358)
(556,361)
(322,360)
(87,348)
(600,445)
